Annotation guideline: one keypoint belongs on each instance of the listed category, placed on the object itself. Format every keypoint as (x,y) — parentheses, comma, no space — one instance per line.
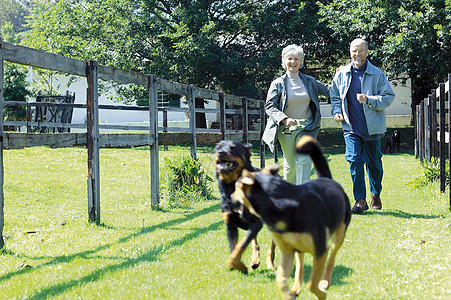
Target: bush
(186,181)
(15,90)
(430,172)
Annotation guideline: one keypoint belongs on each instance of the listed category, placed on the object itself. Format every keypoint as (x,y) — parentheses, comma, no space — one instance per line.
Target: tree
(15,84)
(229,45)
(14,13)
(15,89)
(408,39)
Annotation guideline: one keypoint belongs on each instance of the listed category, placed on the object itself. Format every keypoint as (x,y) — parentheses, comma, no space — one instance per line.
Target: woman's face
(293,62)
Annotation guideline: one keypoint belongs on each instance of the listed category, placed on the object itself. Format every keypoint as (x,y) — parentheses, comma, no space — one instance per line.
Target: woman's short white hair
(292,49)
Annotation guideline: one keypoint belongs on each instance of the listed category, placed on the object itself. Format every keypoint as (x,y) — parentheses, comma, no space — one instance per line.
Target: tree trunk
(421,88)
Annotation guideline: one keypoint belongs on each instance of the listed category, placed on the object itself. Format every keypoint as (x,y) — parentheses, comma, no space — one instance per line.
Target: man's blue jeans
(359,153)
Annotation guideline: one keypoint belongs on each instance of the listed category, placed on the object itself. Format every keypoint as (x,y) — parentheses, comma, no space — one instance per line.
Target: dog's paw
(296,289)
(270,265)
(237,265)
(288,295)
(324,284)
(255,264)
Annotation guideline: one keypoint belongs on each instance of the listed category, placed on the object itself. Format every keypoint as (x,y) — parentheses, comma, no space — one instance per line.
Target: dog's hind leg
(255,254)
(318,265)
(337,241)
(270,256)
(299,273)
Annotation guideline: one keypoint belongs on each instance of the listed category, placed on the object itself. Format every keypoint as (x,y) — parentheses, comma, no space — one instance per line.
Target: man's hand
(338,117)
(361,98)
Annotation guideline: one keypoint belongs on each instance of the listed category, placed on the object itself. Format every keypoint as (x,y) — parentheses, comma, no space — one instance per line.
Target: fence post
(192,120)
(245,119)
(433,114)
(92,140)
(427,149)
(449,132)
(222,115)
(417,131)
(28,117)
(442,144)
(2,215)
(262,129)
(165,125)
(153,128)
(421,131)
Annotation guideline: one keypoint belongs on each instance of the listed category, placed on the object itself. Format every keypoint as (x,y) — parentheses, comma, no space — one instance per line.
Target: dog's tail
(310,146)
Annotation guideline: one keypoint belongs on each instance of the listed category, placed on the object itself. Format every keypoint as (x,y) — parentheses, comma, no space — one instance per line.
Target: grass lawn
(53,252)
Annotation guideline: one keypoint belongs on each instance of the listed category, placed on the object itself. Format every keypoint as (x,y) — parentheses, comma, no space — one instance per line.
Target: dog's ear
(273,170)
(247,178)
(248,147)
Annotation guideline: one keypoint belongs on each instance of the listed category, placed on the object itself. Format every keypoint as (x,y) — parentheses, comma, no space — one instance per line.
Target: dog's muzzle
(224,164)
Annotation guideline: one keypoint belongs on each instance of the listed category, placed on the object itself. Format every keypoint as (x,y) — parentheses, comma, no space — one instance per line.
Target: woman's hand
(289,122)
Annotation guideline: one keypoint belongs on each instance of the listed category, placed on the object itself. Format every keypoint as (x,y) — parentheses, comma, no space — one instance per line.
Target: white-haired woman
(293,108)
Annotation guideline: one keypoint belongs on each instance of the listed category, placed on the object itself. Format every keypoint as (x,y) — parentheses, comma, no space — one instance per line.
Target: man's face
(359,52)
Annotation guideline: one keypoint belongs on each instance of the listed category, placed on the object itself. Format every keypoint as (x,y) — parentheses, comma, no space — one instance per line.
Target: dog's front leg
(283,272)
(251,236)
(232,232)
(255,254)
(235,262)
(319,262)
(337,240)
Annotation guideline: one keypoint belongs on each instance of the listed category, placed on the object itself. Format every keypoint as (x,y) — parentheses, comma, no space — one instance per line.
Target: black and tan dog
(231,158)
(302,218)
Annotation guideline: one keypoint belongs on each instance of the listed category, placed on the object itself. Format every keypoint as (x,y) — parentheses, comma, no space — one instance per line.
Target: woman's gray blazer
(276,103)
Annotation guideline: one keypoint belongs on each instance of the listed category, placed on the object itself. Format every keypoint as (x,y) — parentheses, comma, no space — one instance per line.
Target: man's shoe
(360,206)
(376,202)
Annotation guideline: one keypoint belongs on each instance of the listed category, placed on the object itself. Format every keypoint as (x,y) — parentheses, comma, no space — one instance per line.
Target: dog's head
(230,159)
(249,186)
(395,133)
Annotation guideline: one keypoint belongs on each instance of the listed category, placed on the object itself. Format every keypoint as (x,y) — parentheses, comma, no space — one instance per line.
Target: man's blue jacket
(379,96)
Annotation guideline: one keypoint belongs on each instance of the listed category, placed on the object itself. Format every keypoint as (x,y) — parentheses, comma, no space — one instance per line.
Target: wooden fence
(432,129)
(152,135)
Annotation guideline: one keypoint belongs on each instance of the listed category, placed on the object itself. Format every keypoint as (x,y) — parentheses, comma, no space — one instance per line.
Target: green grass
(53,252)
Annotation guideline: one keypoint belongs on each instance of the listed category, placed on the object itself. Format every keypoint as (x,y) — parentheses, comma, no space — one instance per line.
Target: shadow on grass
(96,275)
(401,214)
(339,274)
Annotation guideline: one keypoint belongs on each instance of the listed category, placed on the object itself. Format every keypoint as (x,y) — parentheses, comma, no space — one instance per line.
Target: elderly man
(359,94)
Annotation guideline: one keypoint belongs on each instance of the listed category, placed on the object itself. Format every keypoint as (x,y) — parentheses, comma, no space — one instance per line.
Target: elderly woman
(293,108)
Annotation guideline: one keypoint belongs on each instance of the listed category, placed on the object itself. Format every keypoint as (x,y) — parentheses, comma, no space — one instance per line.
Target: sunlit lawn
(53,252)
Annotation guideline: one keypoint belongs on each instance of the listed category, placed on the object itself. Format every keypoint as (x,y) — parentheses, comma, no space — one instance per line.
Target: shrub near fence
(150,135)
(432,131)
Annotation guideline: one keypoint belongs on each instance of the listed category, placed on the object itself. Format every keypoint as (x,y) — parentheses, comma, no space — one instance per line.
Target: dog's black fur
(231,158)
(392,141)
(302,218)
